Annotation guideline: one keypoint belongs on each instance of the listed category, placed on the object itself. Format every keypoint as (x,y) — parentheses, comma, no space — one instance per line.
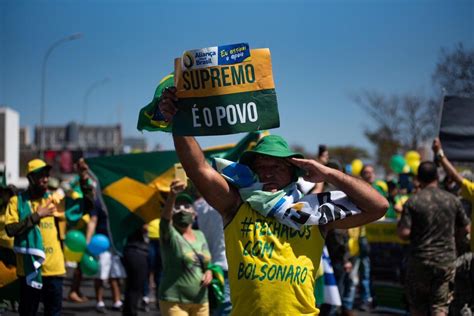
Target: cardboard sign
(457,129)
(235,94)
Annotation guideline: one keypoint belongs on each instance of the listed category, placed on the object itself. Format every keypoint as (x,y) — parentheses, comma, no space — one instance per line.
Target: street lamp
(71,37)
(89,90)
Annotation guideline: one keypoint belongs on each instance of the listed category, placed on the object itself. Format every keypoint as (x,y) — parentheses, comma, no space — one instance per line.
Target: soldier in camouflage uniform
(429,220)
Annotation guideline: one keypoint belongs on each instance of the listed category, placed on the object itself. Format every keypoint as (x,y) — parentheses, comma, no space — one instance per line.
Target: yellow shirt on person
(154,229)
(467,192)
(272,268)
(5,241)
(54,262)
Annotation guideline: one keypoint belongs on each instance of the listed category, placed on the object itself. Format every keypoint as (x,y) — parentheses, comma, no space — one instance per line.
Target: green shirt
(182,269)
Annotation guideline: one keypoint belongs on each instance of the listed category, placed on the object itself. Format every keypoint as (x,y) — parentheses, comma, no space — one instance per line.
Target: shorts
(429,287)
(110,267)
(183,309)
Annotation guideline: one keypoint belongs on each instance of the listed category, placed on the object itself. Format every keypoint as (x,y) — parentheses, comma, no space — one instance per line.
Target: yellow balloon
(414,166)
(72,256)
(412,155)
(357,166)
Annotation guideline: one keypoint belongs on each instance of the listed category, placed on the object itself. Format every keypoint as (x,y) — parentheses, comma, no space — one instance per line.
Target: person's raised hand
(436,146)
(167,104)
(314,171)
(176,187)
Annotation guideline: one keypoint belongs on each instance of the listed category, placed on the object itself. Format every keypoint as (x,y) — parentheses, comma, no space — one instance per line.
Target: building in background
(134,144)
(65,144)
(10,144)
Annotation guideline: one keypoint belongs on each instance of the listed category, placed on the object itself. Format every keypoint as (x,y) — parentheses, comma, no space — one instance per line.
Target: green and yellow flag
(148,118)
(131,184)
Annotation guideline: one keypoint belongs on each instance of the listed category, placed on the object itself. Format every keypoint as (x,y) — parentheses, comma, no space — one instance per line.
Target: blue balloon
(99,243)
(349,168)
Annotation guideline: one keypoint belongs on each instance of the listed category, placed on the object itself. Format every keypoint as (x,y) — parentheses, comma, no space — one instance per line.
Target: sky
(323,52)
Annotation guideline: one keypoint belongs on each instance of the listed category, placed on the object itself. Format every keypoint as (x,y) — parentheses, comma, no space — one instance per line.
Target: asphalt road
(88,308)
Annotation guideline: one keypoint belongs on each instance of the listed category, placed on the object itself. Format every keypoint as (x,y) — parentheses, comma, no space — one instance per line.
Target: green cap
(271,145)
(183,197)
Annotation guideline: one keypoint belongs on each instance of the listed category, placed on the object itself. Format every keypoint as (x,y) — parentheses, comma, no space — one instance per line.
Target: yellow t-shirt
(54,262)
(5,241)
(153,229)
(272,268)
(467,191)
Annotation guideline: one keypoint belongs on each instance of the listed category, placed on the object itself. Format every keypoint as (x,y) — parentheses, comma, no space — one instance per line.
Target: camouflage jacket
(433,215)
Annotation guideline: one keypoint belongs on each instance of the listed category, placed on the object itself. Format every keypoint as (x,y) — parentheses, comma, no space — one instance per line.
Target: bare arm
(175,188)
(318,188)
(217,192)
(213,187)
(445,163)
(372,204)
(91,225)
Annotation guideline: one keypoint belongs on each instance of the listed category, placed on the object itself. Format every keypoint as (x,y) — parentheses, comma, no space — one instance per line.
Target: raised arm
(217,192)
(372,204)
(176,187)
(445,163)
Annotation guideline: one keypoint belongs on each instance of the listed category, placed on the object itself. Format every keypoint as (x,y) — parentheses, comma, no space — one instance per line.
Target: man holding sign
(272,267)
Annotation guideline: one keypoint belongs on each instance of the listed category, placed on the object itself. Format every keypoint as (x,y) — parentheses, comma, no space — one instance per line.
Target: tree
(345,154)
(403,122)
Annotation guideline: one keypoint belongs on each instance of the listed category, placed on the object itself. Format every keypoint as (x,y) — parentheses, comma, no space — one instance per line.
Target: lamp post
(89,90)
(71,37)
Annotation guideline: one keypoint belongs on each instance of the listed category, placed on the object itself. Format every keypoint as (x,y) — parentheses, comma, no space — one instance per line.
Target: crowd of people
(263,238)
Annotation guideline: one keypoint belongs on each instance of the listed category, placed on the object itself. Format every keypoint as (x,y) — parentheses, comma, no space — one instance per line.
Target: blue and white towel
(288,205)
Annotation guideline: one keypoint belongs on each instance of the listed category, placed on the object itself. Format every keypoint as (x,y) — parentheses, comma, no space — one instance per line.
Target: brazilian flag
(151,120)
(131,185)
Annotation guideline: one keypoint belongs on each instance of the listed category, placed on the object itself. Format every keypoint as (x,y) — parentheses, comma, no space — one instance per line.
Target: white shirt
(210,223)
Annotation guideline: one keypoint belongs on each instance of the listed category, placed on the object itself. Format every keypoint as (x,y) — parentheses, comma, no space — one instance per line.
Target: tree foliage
(345,154)
(403,122)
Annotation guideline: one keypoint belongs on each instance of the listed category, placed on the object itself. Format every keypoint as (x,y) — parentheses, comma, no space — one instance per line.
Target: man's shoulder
(429,196)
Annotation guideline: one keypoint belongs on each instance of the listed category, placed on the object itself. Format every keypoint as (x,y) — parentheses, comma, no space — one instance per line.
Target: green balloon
(89,265)
(397,162)
(75,241)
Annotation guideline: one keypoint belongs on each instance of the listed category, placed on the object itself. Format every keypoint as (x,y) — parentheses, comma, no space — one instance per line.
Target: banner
(225,98)
(215,56)
(383,231)
(132,184)
(457,128)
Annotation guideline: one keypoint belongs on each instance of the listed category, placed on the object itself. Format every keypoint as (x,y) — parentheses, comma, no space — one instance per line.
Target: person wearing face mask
(185,255)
